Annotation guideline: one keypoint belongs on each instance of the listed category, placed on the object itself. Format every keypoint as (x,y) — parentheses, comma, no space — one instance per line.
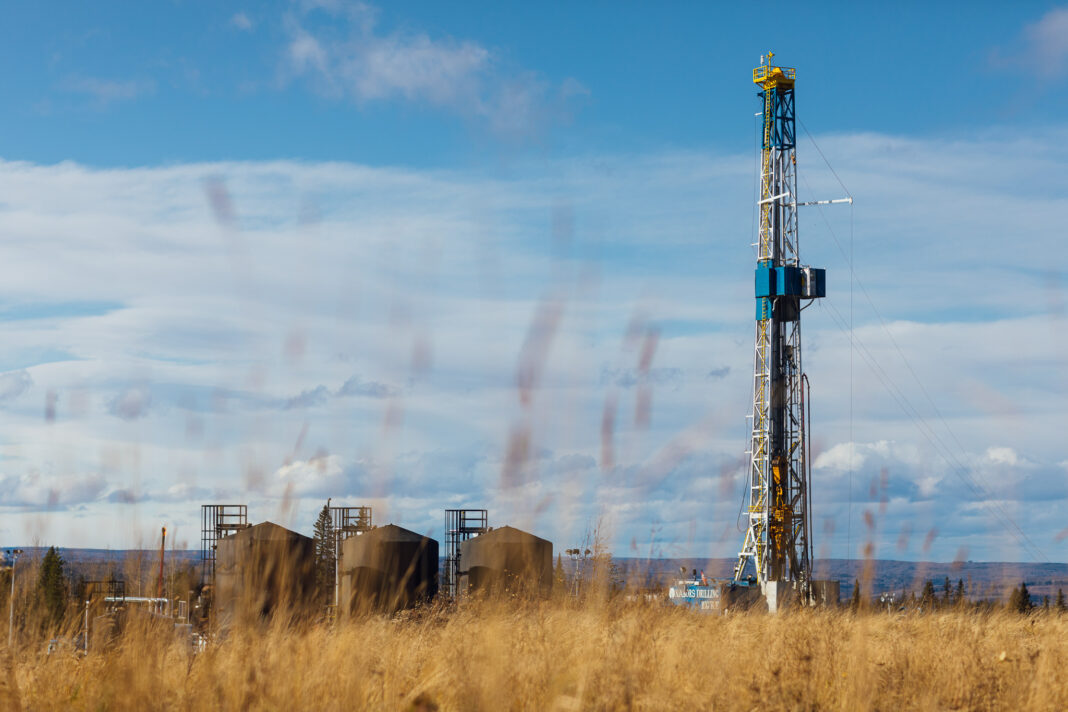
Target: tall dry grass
(563,656)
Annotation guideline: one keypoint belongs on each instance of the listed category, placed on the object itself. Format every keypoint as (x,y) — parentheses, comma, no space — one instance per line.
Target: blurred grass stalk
(593,652)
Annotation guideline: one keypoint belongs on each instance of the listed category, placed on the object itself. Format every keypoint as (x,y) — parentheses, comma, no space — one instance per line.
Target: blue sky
(498,255)
(134,83)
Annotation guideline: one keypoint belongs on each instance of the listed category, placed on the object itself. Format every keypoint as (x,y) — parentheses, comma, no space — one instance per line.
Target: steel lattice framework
(777,540)
(217,521)
(460,525)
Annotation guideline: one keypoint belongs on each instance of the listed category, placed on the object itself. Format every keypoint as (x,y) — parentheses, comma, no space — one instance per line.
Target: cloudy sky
(498,255)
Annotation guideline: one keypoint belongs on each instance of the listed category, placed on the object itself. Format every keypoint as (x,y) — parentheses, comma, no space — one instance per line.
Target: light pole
(581,559)
(14,554)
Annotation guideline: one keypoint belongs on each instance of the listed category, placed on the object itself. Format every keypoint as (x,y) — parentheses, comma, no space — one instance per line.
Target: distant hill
(982,580)
(72,555)
(986,580)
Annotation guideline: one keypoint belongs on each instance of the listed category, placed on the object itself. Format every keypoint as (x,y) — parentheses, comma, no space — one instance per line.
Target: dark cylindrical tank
(263,570)
(387,569)
(507,559)
(826,592)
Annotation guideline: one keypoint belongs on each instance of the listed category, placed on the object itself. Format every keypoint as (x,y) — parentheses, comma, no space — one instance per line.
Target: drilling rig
(777,551)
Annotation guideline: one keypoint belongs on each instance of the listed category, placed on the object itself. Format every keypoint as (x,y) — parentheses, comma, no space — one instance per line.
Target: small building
(506,559)
(262,571)
(387,569)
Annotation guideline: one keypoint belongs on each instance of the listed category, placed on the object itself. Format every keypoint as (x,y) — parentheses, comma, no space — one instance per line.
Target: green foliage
(927,598)
(1020,599)
(1060,604)
(52,587)
(325,553)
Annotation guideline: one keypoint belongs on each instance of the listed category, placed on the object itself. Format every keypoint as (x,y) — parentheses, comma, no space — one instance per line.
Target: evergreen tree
(1014,599)
(855,601)
(1060,601)
(947,592)
(959,598)
(79,584)
(325,554)
(1025,598)
(1020,601)
(52,586)
(1045,604)
(927,598)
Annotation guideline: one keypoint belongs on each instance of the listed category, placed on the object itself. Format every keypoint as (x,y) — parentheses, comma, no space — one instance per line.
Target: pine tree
(959,598)
(1025,599)
(1020,600)
(1045,604)
(927,598)
(1060,601)
(947,592)
(52,586)
(1014,599)
(855,601)
(325,554)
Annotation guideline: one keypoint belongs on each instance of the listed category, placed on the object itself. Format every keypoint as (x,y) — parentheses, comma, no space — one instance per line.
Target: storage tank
(263,570)
(506,559)
(387,569)
(826,592)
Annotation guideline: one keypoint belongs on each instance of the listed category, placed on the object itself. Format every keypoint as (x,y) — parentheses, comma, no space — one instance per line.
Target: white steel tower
(778,548)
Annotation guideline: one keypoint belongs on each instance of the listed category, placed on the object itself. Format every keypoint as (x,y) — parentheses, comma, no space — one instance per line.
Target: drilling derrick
(777,540)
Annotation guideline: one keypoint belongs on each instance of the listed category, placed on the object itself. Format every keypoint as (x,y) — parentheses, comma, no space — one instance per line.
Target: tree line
(51,591)
(954,597)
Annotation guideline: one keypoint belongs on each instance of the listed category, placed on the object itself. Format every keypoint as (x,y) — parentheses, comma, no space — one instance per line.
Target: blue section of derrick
(786,281)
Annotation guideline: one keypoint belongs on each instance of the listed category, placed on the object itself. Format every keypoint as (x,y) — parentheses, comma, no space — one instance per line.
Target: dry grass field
(561,655)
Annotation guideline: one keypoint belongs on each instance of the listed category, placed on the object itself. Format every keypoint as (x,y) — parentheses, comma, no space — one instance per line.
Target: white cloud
(312,477)
(1040,49)
(13,384)
(1047,42)
(426,283)
(417,68)
(305,53)
(1002,456)
(308,398)
(131,404)
(34,490)
(368,389)
(242,21)
(863,455)
(459,76)
(109,91)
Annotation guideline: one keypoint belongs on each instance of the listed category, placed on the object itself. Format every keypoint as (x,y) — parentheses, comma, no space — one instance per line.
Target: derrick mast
(777,540)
